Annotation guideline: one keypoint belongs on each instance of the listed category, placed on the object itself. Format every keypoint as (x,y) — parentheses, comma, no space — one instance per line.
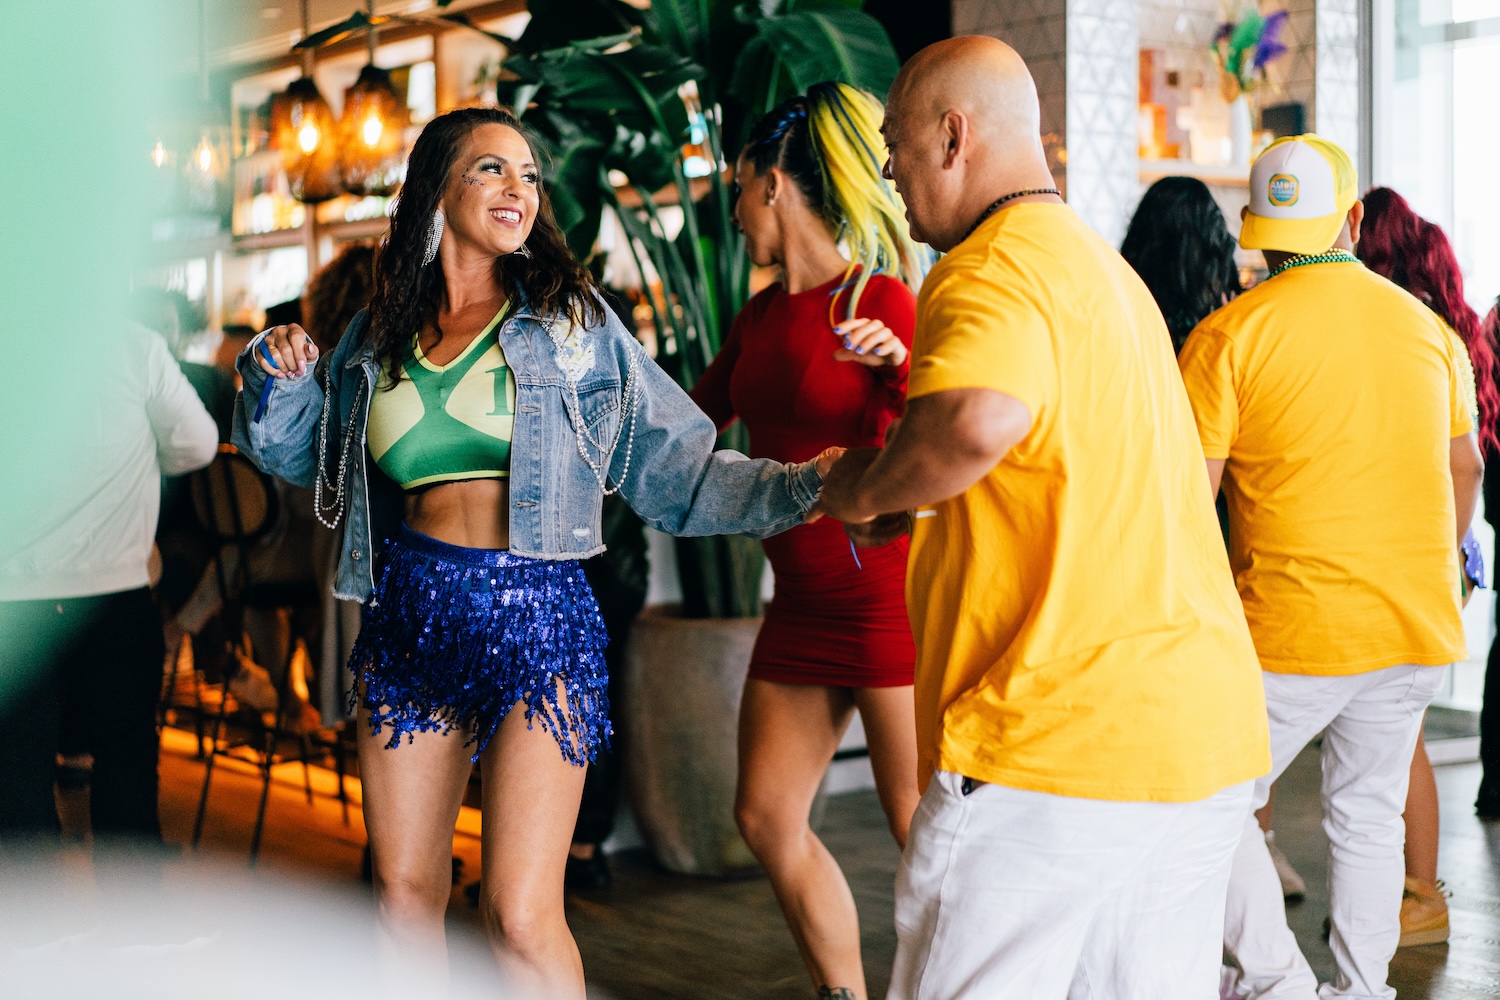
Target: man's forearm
(1466,466)
(945,444)
(907,476)
(1466,502)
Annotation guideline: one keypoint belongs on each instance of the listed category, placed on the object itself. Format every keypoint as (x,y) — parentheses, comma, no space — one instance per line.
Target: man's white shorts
(1006,893)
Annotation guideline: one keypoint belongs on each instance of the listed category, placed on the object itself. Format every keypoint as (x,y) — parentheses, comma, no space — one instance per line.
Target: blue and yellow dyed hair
(828,142)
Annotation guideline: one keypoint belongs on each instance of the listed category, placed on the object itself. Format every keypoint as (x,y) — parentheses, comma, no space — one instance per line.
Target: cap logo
(1282,190)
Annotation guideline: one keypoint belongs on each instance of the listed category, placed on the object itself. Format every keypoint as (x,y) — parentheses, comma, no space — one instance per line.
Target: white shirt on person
(94,535)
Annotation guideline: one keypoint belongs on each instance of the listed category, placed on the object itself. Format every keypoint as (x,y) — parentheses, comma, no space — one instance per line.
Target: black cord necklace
(995,205)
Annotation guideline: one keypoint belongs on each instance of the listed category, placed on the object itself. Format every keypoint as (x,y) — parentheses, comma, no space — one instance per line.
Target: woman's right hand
(869,342)
(290,346)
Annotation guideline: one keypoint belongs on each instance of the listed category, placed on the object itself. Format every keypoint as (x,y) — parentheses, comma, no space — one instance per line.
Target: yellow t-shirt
(1077,627)
(1332,395)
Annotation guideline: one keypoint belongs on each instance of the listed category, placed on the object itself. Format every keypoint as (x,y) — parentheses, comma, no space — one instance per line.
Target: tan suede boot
(1424,913)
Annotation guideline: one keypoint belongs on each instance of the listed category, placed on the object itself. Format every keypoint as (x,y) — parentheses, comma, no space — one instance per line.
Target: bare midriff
(474,513)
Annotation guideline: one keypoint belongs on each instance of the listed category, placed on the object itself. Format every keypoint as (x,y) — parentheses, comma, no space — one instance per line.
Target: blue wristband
(267,352)
(265,391)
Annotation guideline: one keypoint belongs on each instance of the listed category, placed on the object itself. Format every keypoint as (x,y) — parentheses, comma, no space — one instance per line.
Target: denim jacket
(664,461)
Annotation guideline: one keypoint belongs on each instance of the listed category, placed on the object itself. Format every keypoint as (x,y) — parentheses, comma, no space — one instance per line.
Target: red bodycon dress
(829,622)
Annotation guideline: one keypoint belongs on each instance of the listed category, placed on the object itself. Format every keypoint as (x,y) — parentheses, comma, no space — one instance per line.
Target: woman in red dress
(818,360)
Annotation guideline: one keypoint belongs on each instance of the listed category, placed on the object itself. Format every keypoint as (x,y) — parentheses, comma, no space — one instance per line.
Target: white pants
(1369,724)
(1004,893)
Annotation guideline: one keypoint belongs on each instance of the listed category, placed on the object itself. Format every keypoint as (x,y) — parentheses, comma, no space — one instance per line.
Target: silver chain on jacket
(583,437)
(321,481)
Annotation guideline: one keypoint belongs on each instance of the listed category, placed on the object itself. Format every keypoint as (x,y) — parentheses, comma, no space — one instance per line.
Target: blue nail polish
(859,350)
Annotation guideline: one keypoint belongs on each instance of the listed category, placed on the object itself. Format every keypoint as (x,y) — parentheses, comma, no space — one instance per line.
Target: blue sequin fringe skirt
(454,638)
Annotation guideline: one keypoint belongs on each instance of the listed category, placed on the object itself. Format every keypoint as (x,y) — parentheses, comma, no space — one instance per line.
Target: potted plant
(661,97)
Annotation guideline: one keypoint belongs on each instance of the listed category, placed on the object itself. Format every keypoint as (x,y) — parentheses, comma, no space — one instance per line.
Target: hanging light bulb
(371,157)
(307,137)
(211,155)
(159,154)
(302,128)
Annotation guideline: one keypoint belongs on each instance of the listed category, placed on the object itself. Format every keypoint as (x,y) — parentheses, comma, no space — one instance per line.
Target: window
(1436,134)
(1435,76)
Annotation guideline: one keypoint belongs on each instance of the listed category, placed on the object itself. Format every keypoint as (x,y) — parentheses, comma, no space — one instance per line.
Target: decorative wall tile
(1083,56)
(1337,75)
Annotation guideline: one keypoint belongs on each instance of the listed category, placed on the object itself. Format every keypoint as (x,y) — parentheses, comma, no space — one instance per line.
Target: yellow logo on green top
(1282,190)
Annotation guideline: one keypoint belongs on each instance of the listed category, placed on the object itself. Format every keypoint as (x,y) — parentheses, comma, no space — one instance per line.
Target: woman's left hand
(869,342)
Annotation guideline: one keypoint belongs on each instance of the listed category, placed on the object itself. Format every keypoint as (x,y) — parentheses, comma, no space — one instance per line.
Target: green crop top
(440,424)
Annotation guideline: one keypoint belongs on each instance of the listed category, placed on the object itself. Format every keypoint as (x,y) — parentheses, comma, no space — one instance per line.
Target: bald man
(1089,710)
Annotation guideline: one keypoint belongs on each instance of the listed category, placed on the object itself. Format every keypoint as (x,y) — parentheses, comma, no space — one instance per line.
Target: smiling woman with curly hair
(469,424)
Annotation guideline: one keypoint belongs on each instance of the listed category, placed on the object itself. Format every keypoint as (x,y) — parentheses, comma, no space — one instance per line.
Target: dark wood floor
(664,937)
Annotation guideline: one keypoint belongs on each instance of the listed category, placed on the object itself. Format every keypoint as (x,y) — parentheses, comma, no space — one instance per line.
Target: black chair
(238,505)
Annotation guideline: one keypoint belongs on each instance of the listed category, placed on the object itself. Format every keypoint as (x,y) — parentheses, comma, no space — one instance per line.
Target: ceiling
(238,31)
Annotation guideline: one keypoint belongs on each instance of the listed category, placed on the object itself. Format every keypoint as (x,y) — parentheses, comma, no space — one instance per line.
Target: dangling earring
(522,251)
(434,235)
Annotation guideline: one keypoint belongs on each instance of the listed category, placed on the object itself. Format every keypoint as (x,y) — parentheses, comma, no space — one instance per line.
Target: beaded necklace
(1334,256)
(995,205)
(321,480)
(629,398)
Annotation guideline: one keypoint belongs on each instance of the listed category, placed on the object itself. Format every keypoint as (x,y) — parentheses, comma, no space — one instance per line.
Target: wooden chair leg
(265,791)
(307,768)
(283,690)
(213,752)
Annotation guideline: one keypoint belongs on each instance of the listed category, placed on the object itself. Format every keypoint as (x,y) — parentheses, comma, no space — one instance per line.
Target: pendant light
(372,154)
(303,129)
(208,161)
(191,148)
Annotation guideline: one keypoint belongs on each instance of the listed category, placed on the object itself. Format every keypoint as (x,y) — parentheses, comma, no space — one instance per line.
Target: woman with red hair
(1400,245)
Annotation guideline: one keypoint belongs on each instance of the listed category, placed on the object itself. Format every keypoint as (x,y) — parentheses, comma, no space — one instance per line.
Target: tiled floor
(662,937)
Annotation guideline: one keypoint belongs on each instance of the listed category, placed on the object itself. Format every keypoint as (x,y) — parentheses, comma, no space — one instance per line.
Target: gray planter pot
(678,726)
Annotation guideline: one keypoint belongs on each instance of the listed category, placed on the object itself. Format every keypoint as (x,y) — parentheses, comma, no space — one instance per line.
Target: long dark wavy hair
(408,295)
(1397,243)
(1178,243)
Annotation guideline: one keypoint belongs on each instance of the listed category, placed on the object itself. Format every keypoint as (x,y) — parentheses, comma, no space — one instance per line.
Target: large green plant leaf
(636,87)
(706,31)
(557,23)
(817,44)
(570,189)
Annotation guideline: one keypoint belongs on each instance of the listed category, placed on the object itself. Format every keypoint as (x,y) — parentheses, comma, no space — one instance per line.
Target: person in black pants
(100,656)
(79,632)
(1487,805)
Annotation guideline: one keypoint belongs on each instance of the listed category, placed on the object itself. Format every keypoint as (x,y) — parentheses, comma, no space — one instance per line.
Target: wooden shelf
(1155,170)
(362,229)
(273,240)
